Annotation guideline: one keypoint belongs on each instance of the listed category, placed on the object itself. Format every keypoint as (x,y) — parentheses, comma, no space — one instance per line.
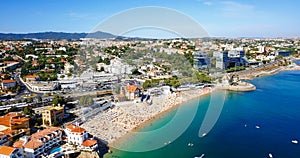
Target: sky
(219,18)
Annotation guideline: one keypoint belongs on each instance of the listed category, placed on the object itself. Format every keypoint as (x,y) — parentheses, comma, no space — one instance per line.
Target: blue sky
(226,18)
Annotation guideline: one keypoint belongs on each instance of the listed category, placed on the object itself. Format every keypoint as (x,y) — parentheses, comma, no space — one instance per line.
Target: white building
(68,68)
(75,134)
(42,86)
(11,152)
(79,136)
(41,142)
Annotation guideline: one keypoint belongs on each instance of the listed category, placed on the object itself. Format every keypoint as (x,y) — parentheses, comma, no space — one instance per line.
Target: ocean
(251,125)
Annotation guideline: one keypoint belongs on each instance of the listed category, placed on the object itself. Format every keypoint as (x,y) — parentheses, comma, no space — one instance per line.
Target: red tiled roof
(6,150)
(89,143)
(35,142)
(131,88)
(18,144)
(8,81)
(75,129)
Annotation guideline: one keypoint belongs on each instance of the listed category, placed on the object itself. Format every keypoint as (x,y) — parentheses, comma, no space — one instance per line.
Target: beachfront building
(131,91)
(225,60)
(75,134)
(80,137)
(51,114)
(11,152)
(201,61)
(42,142)
(8,84)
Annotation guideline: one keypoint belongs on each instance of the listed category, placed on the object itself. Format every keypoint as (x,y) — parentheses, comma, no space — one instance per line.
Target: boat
(204,134)
(257,127)
(270,155)
(200,156)
(295,141)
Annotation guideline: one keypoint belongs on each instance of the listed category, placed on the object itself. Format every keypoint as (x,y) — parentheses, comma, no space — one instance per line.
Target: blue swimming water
(274,107)
(55,150)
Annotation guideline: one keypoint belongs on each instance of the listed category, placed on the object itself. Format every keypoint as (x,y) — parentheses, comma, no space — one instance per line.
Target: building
(8,84)
(42,142)
(3,139)
(284,53)
(68,68)
(201,61)
(75,134)
(226,60)
(79,136)
(31,78)
(52,114)
(6,65)
(11,152)
(131,92)
(42,86)
(14,125)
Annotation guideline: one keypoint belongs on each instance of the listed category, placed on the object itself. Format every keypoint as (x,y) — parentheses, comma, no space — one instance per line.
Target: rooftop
(9,81)
(6,150)
(35,142)
(89,143)
(75,129)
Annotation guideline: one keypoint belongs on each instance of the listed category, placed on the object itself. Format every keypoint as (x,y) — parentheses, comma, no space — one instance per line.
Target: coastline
(113,130)
(177,101)
(162,113)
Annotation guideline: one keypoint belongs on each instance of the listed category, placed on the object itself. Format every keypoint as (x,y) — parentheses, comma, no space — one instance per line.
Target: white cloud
(232,9)
(208,3)
(232,6)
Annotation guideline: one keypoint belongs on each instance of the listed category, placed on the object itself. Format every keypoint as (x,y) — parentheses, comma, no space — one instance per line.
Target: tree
(102,69)
(58,100)
(174,82)
(86,100)
(39,99)
(147,84)
(55,123)
(136,72)
(203,77)
(30,100)
(27,111)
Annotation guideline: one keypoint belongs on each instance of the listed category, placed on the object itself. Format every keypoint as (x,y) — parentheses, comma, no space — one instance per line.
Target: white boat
(270,155)
(257,127)
(200,156)
(295,141)
(204,134)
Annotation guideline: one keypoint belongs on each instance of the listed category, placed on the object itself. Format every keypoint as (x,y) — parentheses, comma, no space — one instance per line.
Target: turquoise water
(55,150)
(274,107)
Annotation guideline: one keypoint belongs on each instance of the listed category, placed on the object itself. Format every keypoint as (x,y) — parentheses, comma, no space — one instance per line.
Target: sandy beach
(115,123)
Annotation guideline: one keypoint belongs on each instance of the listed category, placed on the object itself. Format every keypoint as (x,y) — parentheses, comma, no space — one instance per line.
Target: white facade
(41,142)
(75,134)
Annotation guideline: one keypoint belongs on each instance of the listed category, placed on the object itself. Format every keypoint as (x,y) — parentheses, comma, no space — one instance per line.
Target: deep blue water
(274,107)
